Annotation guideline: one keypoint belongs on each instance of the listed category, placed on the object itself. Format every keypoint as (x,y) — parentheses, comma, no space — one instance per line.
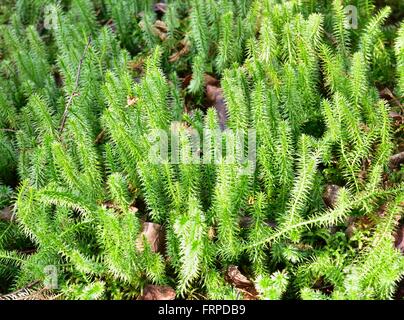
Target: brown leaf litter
(154,235)
(154,292)
(241,283)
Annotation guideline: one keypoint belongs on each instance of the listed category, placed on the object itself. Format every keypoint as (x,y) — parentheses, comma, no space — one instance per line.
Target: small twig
(76,85)
(8,130)
(33,283)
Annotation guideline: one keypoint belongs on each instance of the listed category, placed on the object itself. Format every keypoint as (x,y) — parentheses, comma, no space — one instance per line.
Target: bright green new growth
(83,189)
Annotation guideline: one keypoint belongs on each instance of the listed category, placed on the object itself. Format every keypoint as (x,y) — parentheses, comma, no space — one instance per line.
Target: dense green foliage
(84,83)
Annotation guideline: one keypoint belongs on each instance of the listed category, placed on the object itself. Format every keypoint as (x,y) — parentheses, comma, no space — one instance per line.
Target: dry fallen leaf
(186,81)
(241,283)
(211,80)
(215,96)
(133,209)
(182,52)
(211,233)
(397,117)
(389,96)
(153,292)
(137,65)
(6,214)
(213,93)
(131,100)
(396,160)
(161,26)
(160,29)
(399,239)
(160,7)
(330,195)
(237,278)
(154,235)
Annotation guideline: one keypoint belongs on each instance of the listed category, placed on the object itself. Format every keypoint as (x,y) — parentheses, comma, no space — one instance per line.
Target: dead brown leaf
(154,235)
(214,95)
(133,209)
(6,214)
(399,239)
(137,65)
(397,118)
(237,278)
(110,23)
(186,80)
(182,52)
(211,80)
(109,205)
(330,195)
(241,283)
(155,28)
(389,96)
(211,233)
(153,292)
(131,100)
(160,30)
(396,160)
(161,26)
(160,7)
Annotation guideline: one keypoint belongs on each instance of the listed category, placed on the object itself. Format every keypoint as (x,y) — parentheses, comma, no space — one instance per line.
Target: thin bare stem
(8,130)
(74,92)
